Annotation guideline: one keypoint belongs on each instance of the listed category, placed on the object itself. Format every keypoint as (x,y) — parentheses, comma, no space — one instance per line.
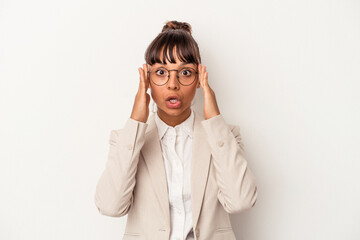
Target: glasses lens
(159,76)
(186,76)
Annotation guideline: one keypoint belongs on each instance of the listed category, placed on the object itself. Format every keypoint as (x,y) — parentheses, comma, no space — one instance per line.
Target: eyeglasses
(160,76)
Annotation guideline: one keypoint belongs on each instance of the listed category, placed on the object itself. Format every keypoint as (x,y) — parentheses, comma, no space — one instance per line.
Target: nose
(173,82)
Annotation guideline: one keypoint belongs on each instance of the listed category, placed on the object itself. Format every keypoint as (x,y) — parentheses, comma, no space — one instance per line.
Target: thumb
(147,99)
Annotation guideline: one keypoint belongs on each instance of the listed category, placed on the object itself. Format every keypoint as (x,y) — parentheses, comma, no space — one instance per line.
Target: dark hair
(174,34)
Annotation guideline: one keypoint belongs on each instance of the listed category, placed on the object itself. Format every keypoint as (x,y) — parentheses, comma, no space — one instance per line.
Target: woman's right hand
(140,111)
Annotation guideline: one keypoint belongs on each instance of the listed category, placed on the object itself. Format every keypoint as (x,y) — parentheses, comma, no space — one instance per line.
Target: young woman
(175,173)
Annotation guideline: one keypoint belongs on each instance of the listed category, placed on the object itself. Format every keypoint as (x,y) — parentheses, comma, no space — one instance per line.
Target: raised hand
(211,108)
(140,111)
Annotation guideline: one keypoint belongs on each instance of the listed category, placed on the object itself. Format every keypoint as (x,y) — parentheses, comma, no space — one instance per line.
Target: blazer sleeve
(237,183)
(114,190)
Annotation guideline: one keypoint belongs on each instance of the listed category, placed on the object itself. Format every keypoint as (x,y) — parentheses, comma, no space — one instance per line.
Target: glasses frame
(177,75)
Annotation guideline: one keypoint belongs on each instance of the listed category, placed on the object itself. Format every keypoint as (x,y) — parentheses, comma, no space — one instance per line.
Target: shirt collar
(185,127)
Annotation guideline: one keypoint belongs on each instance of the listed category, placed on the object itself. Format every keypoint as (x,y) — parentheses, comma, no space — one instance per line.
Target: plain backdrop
(286,72)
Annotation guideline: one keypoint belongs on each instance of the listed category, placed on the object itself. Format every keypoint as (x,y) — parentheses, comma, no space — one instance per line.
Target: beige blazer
(134,180)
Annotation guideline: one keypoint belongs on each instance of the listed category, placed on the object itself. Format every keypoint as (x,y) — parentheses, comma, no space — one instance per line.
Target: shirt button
(129,147)
(220,143)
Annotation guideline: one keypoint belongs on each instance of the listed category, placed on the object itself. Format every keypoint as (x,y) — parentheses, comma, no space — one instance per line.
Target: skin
(173,117)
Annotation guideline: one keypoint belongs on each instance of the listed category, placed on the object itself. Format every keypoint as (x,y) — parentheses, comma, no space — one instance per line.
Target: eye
(160,72)
(186,72)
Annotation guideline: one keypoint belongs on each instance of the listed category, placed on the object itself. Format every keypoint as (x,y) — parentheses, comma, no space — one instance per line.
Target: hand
(211,108)
(140,111)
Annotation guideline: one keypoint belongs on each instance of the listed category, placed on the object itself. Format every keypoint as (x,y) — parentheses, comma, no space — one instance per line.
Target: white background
(287,72)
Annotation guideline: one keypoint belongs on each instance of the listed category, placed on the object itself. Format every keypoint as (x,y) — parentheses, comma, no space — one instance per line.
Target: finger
(146,69)
(147,99)
(142,81)
(203,70)
(201,75)
(206,83)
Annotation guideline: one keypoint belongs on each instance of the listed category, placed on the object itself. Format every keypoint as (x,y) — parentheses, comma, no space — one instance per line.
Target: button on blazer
(134,180)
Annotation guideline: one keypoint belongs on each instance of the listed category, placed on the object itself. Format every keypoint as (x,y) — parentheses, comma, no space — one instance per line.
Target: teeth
(173,100)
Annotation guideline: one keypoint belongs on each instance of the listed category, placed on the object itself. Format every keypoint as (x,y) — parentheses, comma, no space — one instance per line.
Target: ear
(198,84)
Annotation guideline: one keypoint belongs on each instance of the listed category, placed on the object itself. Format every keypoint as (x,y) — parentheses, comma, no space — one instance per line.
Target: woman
(176,174)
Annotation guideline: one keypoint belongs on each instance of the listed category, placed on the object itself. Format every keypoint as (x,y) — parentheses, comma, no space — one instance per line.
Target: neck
(174,120)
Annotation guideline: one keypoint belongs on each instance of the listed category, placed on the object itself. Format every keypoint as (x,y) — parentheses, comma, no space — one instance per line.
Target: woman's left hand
(211,108)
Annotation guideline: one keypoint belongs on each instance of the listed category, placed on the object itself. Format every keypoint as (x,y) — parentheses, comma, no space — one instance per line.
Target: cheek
(155,93)
(190,94)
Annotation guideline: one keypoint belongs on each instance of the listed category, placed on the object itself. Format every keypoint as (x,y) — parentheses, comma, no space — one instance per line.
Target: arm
(114,190)
(237,183)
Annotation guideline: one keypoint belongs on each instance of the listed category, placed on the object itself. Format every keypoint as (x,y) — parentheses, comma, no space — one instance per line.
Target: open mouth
(173,101)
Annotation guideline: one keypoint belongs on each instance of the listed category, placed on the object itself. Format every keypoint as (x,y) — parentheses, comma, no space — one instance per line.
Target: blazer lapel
(199,168)
(154,161)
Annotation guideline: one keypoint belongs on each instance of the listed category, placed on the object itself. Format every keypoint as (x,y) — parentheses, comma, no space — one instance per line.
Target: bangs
(169,44)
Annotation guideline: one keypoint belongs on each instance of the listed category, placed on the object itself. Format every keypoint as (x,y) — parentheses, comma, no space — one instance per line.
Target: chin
(173,111)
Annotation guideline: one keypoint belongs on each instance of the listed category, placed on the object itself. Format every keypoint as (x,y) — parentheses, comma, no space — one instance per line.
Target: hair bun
(173,25)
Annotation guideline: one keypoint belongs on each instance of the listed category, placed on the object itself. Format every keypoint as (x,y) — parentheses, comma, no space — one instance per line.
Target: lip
(173,105)
(172,96)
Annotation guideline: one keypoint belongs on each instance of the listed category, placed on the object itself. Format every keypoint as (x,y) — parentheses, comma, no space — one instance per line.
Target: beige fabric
(134,180)
(176,149)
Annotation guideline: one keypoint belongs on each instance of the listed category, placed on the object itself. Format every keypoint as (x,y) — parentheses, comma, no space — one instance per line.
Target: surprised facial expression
(173,100)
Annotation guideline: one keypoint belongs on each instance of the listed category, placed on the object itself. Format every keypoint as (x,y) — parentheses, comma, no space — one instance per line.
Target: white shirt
(176,147)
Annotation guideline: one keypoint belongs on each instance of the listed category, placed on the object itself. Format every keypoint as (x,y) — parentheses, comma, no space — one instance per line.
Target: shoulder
(219,121)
